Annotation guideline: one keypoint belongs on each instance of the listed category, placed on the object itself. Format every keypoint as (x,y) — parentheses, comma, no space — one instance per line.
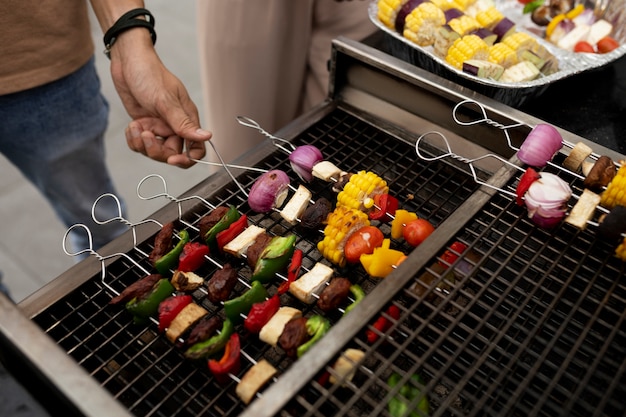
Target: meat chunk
(137,289)
(254,250)
(315,215)
(186,318)
(163,242)
(270,333)
(204,329)
(294,334)
(334,293)
(221,284)
(207,222)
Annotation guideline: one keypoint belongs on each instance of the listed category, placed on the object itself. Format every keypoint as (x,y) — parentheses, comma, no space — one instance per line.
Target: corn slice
(467,47)
(387,11)
(489,17)
(422,23)
(463,4)
(464,24)
(340,224)
(615,193)
(502,54)
(520,40)
(359,192)
(444,4)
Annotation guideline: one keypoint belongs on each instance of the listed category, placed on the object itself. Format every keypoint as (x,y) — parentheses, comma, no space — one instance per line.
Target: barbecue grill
(526,321)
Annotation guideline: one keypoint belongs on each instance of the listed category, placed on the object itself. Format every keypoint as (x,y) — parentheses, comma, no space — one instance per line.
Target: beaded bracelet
(128,21)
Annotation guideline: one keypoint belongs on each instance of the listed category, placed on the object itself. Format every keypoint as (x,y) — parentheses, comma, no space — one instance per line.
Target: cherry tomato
(363,241)
(606,44)
(416,231)
(584,46)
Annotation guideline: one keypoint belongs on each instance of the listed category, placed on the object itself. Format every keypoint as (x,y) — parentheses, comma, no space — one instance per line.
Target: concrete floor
(31,251)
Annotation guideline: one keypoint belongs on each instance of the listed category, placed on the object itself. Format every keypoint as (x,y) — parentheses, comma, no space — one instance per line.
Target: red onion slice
(302,160)
(540,145)
(269,191)
(546,200)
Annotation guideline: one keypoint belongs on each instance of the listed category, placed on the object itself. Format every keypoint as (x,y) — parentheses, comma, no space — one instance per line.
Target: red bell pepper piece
(323,378)
(385,207)
(192,256)
(382,324)
(261,313)
(292,272)
(450,255)
(230,361)
(528,177)
(233,230)
(169,309)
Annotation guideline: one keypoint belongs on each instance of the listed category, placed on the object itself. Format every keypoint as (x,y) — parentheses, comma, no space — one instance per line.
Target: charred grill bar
(531,322)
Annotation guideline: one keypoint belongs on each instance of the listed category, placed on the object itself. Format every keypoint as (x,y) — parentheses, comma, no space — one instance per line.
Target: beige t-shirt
(42,41)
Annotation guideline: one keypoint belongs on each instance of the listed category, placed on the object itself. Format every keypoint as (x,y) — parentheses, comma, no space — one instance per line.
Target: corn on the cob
(464,24)
(478,6)
(519,41)
(489,17)
(444,4)
(463,4)
(340,224)
(467,47)
(359,192)
(422,23)
(615,193)
(387,11)
(502,54)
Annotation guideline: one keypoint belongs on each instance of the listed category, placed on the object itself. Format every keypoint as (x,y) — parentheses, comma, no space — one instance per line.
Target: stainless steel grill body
(531,322)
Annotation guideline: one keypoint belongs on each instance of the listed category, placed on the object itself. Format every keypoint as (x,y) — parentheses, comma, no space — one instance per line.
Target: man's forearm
(129,41)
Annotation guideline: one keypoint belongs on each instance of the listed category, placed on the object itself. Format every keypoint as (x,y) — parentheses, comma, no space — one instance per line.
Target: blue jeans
(54,134)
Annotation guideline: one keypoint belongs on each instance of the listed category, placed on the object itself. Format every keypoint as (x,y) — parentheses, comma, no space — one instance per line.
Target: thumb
(186,125)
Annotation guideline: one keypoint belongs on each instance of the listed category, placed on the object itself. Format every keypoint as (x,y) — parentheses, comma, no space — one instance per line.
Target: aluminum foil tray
(570,63)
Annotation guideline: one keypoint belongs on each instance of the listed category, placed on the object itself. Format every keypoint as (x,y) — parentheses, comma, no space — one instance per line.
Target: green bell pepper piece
(144,308)
(274,258)
(213,344)
(398,406)
(358,294)
(169,261)
(227,219)
(317,327)
(236,307)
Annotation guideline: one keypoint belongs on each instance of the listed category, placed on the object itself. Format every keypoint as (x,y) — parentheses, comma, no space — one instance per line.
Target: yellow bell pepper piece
(553,24)
(380,263)
(398,223)
(575,11)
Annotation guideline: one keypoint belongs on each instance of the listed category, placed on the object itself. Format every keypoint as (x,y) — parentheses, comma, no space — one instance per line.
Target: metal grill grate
(150,376)
(531,323)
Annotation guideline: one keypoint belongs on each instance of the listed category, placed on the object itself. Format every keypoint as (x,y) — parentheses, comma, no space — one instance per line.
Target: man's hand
(165,124)
(154,139)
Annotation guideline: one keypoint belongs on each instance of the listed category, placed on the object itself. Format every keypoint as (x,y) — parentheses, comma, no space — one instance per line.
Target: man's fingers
(133,137)
(154,139)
